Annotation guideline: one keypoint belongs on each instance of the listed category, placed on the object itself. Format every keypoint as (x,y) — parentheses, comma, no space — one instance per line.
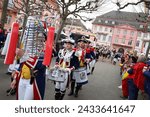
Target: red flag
(49,46)
(10,56)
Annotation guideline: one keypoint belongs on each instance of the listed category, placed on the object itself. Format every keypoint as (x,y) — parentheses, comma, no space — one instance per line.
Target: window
(123,41)
(124,36)
(100,28)
(106,21)
(141,26)
(125,32)
(132,33)
(118,31)
(95,28)
(104,37)
(8,19)
(109,39)
(116,40)
(113,22)
(130,42)
(99,20)
(139,34)
(99,37)
(137,43)
(106,29)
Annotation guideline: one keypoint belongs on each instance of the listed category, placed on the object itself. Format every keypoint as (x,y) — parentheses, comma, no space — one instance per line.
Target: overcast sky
(109,6)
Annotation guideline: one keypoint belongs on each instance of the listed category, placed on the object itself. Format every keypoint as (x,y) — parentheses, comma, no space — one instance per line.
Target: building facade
(103,34)
(12,14)
(126,30)
(75,26)
(124,36)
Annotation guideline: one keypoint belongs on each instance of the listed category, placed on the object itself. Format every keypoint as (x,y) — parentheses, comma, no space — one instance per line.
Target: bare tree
(74,7)
(4,12)
(27,8)
(118,3)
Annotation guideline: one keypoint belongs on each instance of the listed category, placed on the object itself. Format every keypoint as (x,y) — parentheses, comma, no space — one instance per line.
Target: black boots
(59,95)
(77,90)
(72,89)
(92,70)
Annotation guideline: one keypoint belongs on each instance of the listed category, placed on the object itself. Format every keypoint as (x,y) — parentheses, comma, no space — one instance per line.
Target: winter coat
(136,73)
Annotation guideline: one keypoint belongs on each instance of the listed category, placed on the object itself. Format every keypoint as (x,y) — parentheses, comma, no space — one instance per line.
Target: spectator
(2,38)
(146,72)
(136,78)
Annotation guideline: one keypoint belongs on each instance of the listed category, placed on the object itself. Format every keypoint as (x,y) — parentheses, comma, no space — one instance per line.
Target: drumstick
(8,94)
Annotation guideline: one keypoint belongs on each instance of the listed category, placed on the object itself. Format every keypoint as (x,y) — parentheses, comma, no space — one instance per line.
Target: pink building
(119,29)
(124,36)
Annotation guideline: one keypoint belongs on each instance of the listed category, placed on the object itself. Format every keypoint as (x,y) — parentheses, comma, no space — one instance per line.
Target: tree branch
(82,17)
(129,4)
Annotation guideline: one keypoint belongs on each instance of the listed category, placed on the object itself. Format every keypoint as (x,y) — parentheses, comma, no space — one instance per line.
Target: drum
(80,76)
(52,74)
(58,75)
(62,76)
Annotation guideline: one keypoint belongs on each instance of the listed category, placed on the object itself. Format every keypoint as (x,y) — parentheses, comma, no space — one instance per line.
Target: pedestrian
(90,54)
(97,53)
(104,53)
(2,38)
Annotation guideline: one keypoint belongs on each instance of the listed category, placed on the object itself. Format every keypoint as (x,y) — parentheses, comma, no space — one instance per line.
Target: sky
(109,6)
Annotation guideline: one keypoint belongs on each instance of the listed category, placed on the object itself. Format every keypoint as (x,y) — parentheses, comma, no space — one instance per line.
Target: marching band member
(80,75)
(91,50)
(30,77)
(65,63)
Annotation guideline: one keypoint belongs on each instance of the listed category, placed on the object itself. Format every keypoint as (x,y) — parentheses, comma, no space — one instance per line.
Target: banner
(49,46)
(10,56)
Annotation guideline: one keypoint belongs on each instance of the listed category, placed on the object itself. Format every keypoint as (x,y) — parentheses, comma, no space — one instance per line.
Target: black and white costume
(66,62)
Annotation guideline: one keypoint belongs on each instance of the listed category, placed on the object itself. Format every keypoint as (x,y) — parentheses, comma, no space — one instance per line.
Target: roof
(75,22)
(122,17)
